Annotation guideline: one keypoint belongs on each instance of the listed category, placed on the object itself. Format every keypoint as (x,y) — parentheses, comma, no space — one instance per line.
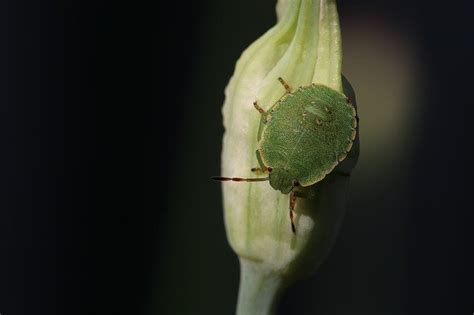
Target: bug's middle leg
(292,207)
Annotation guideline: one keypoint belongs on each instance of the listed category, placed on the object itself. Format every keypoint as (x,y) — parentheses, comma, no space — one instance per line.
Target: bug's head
(282,180)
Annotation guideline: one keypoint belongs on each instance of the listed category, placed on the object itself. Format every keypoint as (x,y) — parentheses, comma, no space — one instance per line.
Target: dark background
(110,127)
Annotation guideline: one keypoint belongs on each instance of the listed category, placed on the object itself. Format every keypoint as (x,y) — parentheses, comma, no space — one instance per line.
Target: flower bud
(304,47)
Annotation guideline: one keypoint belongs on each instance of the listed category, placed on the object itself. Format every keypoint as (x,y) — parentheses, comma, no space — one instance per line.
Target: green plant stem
(259,289)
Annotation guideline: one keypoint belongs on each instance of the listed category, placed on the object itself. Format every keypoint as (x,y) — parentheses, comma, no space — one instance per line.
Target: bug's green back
(305,135)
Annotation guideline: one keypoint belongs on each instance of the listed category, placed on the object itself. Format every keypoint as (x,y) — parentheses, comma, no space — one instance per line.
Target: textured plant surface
(304,47)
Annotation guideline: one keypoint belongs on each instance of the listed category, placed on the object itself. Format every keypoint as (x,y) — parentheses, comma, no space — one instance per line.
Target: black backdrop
(110,127)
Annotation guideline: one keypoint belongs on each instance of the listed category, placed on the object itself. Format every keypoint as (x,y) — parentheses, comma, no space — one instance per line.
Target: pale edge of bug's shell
(343,155)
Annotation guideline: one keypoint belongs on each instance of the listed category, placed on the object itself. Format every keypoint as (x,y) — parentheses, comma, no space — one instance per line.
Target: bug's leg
(285,85)
(239,179)
(261,170)
(258,170)
(292,207)
(260,109)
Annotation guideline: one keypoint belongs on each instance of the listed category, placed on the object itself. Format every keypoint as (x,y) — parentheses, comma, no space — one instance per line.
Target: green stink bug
(302,138)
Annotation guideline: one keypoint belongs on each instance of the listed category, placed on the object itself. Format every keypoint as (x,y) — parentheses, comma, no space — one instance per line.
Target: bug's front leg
(261,111)
(285,85)
(259,108)
(261,170)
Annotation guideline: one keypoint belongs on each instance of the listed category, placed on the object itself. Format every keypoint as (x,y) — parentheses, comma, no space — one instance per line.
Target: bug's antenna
(239,179)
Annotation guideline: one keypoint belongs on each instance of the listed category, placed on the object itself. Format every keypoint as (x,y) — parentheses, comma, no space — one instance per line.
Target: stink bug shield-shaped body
(305,135)
(302,138)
